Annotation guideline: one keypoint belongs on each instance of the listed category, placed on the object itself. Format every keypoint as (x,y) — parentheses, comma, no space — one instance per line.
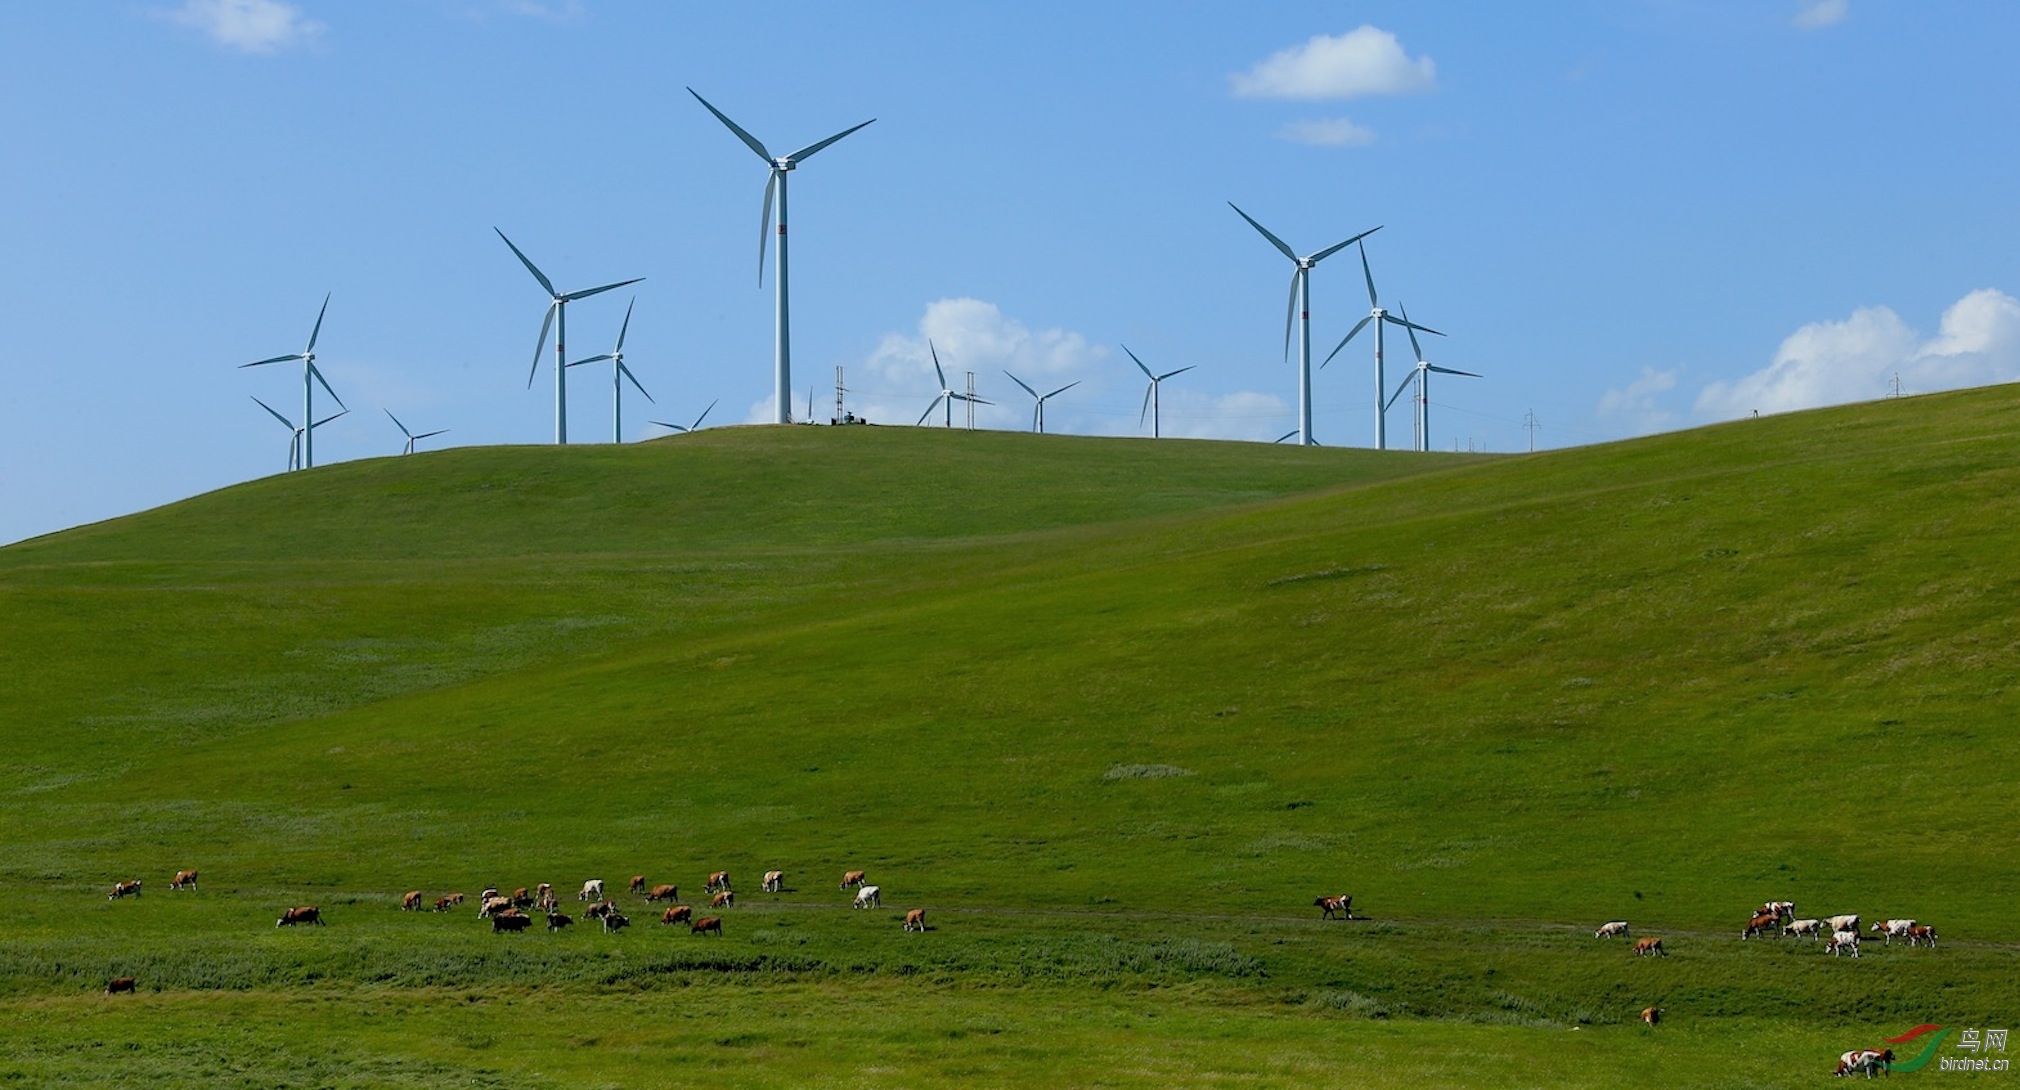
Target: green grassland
(1114,712)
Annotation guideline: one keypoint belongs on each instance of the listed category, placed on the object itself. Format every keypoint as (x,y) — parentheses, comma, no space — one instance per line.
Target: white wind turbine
(1380,318)
(1301,309)
(1038,411)
(411,437)
(295,433)
(948,395)
(618,373)
(696,426)
(782,371)
(1420,374)
(310,376)
(557,316)
(1151,399)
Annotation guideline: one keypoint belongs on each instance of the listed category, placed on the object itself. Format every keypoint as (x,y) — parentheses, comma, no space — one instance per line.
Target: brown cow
(124,889)
(663,893)
(1921,935)
(775,881)
(1761,924)
(637,883)
(851,878)
(300,914)
(1651,1015)
(184,879)
(444,904)
(725,899)
(705,925)
(1343,904)
(1649,948)
(599,910)
(558,920)
(915,920)
(717,882)
(677,913)
(493,906)
(522,898)
(411,902)
(453,899)
(510,920)
(118,984)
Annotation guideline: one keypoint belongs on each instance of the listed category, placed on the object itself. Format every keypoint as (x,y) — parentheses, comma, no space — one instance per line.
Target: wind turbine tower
(1380,318)
(1038,411)
(1421,375)
(781,166)
(310,376)
(618,373)
(1152,402)
(1301,311)
(295,433)
(948,396)
(557,316)
(411,437)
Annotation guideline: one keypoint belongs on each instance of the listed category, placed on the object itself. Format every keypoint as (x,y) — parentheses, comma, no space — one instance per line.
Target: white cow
(1611,930)
(775,881)
(1842,941)
(1865,1060)
(869,897)
(1812,928)
(592,890)
(1843,923)
(1894,929)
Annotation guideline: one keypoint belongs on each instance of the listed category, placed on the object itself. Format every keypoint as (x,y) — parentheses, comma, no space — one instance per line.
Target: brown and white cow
(915,920)
(1785,909)
(1921,935)
(411,902)
(1847,922)
(184,879)
(444,904)
(592,890)
(1343,906)
(637,883)
(300,914)
(599,910)
(546,901)
(851,878)
(1651,1015)
(1611,929)
(1842,941)
(1649,948)
(522,898)
(1865,1061)
(725,899)
(1893,929)
(1812,928)
(717,882)
(677,914)
(119,984)
(663,893)
(510,920)
(494,905)
(124,889)
(775,881)
(1761,925)
(705,925)
(869,897)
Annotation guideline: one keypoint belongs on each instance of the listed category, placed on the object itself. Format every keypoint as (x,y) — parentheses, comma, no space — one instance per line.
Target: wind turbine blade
(1291,311)
(669,427)
(704,416)
(593,359)
(929,410)
(1449,371)
(331,417)
(936,365)
(1139,365)
(1369,274)
(318,373)
(1411,330)
(1407,380)
(1393,320)
(765,224)
(1358,326)
(1021,382)
(397,424)
(431,434)
(806,152)
(276,359)
(574,295)
(1274,241)
(1331,250)
(1180,371)
(1147,391)
(626,327)
(1285,436)
(530,267)
(626,372)
(546,322)
(734,127)
(318,330)
(289,424)
(1061,390)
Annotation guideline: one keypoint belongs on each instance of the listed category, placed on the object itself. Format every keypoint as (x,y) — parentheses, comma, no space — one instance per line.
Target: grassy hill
(1113,711)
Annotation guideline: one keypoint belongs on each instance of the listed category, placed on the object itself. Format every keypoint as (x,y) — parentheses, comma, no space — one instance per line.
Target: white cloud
(896,383)
(249,26)
(1640,403)
(1363,61)
(1817,14)
(1330,132)
(1830,363)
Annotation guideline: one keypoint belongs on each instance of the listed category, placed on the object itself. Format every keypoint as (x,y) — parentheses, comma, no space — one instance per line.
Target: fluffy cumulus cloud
(1830,363)
(1817,14)
(1331,132)
(897,382)
(1640,405)
(249,26)
(1363,61)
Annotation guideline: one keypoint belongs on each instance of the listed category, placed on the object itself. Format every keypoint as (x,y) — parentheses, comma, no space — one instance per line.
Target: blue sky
(1628,216)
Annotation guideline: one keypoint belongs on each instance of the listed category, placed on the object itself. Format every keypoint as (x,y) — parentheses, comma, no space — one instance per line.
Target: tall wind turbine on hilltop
(411,437)
(294,432)
(1151,401)
(618,373)
(557,316)
(1420,374)
(1038,411)
(310,376)
(780,166)
(1301,309)
(1381,318)
(948,395)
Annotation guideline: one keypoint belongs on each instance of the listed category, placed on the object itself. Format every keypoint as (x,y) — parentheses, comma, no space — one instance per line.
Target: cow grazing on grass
(705,925)
(300,914)
(547,901)
(184,879)
(1761,925)
(124,889)
(411,902)
(522,898)
(1893,929)
(851,878)
(1865,1061)
(615,921)
(1921,935)
(592,890)
(558,920)
(718,882)
(1329,907)
(1785,909)
(489,892)
(869,897)
(492,906)
(1848,922)
(677,914)
(1611,929)
(1651,1015)
(444,904)
(1842,941)
(510,920)
(599,910)
(1812,928)
(1649,948)
(118,984)
(915,920)
(725,899)
(775,881)
(637,883)
(663,893)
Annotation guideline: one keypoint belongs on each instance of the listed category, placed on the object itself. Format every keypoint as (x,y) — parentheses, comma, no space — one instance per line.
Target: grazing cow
(510,920)
(1761,925)
(493,906)
(1651,1015)
(717,882)
(1785,909)
(615,921)
(1649,948)
(1342,906)
(1812,928)
(677,914)
(522,898)
(599,910)
(489,892)
(664,893)
(547,902)
(1894,929)
(453,899)
(124,889)
(1612,929)
(1842,941)
(558,920)
(444,904)
(411,902)
(1865,1061)
(851,878)
(637,883)
(592,890)
(300,914)
(725,899)
(118,984)
(1921,935)
(869,897)
(184,879)
(915,920)
(1842,923)
(775,881)
(705,925)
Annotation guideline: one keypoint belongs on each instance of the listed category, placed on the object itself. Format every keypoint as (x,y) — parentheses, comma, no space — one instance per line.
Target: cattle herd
(1778,918)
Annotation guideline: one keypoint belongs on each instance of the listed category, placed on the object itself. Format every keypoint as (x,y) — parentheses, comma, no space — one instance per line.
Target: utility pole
(1894,387)
(1529,422)
(839,415)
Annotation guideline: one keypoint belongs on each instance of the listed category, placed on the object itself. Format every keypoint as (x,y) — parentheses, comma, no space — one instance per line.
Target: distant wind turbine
(618,373)
(310,376)
(1420,374)
(1301,309)
(1151,399)
(696,426)
(1381,318)
(1038,411)
(295,433)
(411,437)
(948,395)
(780,166)
(557,316)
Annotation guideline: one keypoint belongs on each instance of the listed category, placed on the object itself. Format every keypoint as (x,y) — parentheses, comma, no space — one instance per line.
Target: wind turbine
(1150,396)
(618,373)
(1421,375)
(310,376)
(557,316)
(782,372)
(948,395)
(1038,412)
(295,433)
(696,426)
(411,437)
(1301,309)
(1381,318)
